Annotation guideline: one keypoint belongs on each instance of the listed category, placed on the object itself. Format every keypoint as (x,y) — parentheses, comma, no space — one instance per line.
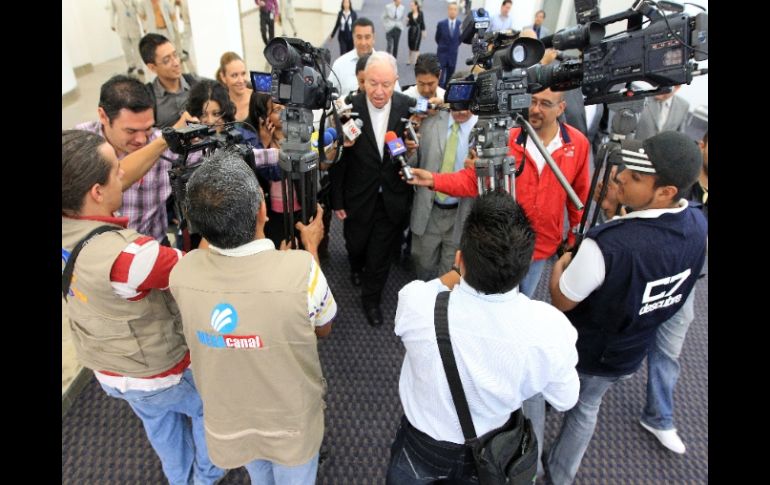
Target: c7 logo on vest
(655,297)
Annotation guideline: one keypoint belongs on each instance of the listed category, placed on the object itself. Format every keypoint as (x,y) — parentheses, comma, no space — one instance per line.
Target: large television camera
(500,95)
(299,81)
(660,54)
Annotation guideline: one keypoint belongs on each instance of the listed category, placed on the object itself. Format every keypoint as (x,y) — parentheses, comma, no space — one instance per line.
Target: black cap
(672,156)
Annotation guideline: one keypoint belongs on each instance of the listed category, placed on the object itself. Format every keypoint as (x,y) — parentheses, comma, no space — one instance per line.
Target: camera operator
(125,327)
(629,276)
(537,189)
(252,316)
(126,121)
(367,192)
(520,347)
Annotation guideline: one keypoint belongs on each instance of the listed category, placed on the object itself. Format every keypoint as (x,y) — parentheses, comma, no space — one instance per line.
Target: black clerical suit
(376,200)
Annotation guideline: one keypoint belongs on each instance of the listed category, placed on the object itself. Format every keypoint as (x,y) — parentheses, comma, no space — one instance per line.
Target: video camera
(660,54)
(298,81)
(198,137)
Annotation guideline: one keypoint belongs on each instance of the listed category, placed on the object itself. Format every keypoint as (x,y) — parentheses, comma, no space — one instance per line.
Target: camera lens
(519,54)
(280,53)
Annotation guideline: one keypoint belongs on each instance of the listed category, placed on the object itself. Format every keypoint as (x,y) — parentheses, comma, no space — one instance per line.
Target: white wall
(86,28)
(68,82)
(522,12)
(216,29)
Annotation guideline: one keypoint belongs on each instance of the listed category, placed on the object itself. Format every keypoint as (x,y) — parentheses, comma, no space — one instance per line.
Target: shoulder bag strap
(450,366)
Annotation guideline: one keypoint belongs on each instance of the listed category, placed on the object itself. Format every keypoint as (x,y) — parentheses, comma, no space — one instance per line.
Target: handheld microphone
(397,149)
(410,128)
(420,105)
(352,128)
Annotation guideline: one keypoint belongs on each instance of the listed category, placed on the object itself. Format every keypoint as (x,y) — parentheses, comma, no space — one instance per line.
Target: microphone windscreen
(331,131)
(328,139)
(390,136)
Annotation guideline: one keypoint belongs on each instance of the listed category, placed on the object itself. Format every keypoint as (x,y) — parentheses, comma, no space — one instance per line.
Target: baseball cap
(672,156)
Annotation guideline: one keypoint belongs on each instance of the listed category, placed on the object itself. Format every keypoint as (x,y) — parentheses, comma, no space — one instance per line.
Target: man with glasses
(126,122)
(170,88)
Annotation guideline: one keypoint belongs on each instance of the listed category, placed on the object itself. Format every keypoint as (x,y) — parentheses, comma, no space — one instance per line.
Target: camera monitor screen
(459,92)
(261,81)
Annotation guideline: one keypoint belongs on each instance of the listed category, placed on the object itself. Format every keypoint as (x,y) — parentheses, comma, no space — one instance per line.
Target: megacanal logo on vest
(224,320)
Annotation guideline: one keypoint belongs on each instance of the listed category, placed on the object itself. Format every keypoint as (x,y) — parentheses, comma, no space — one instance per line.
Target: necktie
(452,27)
(450,154)
(664,109)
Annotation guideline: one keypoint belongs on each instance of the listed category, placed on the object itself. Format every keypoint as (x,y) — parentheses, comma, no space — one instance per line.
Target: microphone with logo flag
(352,128)
(397,148)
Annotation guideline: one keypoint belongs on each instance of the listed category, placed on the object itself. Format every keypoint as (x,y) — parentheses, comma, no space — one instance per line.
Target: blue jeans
(578,426)
(534,409)
(181,447)
(416,458)
(528,284)
(663,366)
(264,472)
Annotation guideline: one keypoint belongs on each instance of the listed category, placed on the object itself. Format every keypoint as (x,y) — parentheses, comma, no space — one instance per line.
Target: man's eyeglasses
(544,104)
(167,60)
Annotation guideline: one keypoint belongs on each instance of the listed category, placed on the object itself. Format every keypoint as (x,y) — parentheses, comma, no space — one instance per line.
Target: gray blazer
(544,31)
(647,125)
(429,157)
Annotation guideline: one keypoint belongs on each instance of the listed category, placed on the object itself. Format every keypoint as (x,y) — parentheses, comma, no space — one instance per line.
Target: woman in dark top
(344,24)
(416,32)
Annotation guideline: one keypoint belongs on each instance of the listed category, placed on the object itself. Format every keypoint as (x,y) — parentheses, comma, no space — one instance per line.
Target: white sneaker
(667,438)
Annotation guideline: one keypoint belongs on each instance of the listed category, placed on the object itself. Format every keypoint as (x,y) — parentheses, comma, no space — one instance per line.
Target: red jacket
(540,195)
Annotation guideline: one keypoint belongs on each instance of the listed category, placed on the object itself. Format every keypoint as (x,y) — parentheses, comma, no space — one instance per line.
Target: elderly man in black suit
(367,191)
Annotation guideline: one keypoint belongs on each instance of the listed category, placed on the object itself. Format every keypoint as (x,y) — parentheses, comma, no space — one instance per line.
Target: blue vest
(651,267)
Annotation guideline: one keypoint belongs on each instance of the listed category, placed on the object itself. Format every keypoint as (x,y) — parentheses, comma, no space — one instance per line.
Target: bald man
(367,191)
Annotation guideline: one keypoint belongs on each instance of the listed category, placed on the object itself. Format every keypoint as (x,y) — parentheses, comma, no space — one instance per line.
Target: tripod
(299,166)
(495,169)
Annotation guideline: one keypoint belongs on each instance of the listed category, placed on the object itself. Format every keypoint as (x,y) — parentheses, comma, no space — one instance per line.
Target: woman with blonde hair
(233,75)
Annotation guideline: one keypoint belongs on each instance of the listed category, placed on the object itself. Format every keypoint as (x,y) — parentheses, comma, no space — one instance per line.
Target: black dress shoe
(355,278)
(373,315)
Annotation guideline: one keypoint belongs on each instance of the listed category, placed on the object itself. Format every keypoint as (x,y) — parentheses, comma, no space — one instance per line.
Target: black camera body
(661,54)
(653,54)
(296,80)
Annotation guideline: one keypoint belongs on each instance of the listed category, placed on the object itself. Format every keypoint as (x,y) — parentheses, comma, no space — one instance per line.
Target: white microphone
(352,128)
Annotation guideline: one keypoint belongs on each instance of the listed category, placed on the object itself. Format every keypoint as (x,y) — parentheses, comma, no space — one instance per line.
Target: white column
(68,81)
(216,29)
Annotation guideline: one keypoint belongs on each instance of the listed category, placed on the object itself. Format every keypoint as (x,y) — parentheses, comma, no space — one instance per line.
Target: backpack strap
(66,274)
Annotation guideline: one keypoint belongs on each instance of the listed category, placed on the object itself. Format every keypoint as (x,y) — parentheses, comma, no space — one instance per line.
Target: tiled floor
(312,26)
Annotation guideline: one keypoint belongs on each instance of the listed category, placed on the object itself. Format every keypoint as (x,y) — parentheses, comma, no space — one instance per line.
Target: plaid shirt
(144,203)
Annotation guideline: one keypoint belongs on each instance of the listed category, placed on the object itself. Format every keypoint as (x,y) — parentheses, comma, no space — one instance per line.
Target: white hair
(379,57)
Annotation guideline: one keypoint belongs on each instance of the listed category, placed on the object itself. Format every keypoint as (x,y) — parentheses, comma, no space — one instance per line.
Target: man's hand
(610,203)
(286,245)
(341,214)
(470,162)
(312,233)
(182,121)
(421,177)
(348,143)
(411,145)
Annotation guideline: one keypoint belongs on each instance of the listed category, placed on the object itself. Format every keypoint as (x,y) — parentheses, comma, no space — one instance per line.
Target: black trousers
(266,25)
(371,245)
(393,36)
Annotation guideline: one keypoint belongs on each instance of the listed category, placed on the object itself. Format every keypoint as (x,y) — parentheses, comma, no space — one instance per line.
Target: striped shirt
(144,265)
